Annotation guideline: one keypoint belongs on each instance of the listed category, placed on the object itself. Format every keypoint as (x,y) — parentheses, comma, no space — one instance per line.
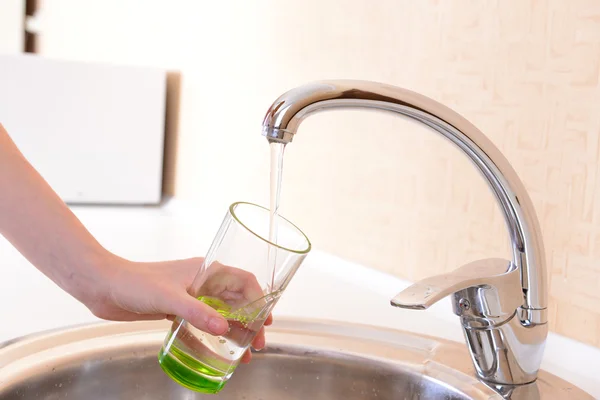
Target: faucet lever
(484,289)
(487,296)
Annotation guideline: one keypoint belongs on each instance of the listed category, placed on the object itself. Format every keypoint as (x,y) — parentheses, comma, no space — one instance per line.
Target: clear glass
(242,277)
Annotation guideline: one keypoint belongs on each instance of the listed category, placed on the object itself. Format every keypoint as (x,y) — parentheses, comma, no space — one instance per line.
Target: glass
(242,277)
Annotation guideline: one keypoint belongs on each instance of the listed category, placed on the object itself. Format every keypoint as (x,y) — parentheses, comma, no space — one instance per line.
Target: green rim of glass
(232,212)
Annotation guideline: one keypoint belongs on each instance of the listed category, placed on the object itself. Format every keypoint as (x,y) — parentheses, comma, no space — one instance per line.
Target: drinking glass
(242,277)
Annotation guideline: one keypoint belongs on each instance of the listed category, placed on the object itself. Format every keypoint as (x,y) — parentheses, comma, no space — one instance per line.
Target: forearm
(41,226)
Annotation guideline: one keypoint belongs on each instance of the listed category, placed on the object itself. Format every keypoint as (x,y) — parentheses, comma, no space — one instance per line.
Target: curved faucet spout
(286,114)
(288,111)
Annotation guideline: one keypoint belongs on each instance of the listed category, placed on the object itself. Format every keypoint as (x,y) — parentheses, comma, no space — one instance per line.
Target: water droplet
(222,341)
(231,352)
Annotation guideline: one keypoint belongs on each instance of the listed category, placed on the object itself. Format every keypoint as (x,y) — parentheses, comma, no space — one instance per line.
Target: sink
(304,359)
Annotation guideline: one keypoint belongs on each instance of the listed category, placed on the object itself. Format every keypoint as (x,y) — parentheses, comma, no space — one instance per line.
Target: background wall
(369,187)
(12,33)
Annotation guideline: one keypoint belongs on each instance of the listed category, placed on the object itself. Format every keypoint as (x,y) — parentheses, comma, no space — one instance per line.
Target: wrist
(89,278)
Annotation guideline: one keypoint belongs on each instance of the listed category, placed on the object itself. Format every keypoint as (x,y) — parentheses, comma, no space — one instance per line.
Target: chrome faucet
(502,304)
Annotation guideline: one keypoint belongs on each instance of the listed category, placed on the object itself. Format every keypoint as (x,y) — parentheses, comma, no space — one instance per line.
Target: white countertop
(339,290)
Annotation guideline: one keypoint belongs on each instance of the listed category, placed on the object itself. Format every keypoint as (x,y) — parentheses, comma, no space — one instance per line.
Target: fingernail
(217,325)
(261,345)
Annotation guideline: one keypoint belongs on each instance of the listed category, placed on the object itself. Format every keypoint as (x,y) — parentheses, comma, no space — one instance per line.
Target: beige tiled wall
(371,187)
(396,197)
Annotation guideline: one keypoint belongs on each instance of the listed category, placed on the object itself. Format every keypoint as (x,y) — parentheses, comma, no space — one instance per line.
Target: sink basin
(305,359)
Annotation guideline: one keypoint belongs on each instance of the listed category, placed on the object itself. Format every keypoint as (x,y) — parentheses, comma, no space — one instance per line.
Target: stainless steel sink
(304,360)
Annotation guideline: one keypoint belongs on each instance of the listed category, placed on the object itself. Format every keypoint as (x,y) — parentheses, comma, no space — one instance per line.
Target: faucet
(502,304)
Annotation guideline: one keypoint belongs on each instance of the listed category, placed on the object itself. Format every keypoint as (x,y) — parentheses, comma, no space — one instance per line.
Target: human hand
(131,291)
(236,287)
(45,231)
(237,294)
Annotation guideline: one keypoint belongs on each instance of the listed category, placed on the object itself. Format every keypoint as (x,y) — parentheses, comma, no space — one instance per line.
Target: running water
(276,172)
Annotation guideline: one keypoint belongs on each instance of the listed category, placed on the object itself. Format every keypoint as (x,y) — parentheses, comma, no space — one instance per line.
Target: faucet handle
(486,291)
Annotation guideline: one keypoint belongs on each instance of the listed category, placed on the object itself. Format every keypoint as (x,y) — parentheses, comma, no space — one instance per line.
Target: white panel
(12,15)
(94,131)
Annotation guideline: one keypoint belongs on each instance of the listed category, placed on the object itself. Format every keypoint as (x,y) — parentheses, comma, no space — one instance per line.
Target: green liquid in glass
(196,375)
(190,373)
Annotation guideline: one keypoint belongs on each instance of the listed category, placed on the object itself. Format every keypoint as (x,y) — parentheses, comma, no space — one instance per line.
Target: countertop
(339,289)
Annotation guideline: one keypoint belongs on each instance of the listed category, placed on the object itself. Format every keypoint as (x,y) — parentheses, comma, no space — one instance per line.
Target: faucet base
(509,354)
(487,296)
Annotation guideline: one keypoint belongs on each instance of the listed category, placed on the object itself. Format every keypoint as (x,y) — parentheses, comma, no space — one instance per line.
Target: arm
(41,226)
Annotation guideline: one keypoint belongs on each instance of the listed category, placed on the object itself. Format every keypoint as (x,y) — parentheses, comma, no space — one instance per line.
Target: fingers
(269,320)
(124,315)
(236,280)
(247,357)
(252,289)
(259,341)
(141,317)
(197,313)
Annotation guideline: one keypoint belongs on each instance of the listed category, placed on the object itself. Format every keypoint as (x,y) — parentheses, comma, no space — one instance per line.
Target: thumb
(198,314)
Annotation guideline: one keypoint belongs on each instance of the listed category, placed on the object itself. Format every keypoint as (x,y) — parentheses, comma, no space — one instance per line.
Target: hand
(241,294)
(45,231)
(153,291)
(234,286)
